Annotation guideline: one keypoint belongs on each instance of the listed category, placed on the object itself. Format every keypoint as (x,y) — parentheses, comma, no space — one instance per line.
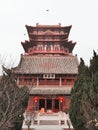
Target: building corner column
(60,83)
(37,81)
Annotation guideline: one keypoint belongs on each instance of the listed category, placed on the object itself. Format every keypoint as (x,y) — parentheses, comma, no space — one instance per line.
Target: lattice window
(49,76)
(57,47)
(48,47)
(40,48)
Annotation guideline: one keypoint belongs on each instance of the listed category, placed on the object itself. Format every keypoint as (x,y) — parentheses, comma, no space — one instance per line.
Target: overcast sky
(15,14)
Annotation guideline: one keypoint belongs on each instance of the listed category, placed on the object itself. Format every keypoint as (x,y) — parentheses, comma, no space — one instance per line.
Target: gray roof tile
(47,64)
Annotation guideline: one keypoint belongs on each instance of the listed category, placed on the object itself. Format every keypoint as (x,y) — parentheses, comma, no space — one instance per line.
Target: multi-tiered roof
(48,33)
(40,60)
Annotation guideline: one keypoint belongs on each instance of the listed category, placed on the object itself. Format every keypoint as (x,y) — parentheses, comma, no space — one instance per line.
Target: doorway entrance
(56,105)
(41,103)
(49,104)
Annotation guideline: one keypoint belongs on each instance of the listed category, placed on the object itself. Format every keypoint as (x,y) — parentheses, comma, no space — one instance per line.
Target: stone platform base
(54,121)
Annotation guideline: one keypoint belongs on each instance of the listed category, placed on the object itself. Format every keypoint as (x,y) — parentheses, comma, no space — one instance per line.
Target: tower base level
(47,121)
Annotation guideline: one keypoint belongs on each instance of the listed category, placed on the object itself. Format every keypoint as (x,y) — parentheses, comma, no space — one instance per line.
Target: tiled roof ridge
(51,25)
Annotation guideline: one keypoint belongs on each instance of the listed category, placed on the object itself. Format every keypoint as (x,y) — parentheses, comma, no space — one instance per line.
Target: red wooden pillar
(23,82)
(45,104)
(52,104)
(37,81)
(32,81)
(61,99)
(36,99)
(65,81)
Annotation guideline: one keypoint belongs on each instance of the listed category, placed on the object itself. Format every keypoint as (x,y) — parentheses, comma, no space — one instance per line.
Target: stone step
(49,122)
(48,127)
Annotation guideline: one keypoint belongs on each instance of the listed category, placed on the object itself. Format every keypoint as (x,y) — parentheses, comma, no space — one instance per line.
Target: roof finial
(37,24)
(60,24)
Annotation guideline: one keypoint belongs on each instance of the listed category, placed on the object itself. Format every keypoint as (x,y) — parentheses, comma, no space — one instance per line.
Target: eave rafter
(26,45)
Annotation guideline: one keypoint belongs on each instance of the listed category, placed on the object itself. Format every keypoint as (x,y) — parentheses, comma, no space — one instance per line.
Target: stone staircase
(53,121)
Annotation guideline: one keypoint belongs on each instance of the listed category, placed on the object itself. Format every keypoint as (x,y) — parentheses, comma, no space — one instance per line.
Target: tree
(94,63)
(13,101)
(76,113)
(84,97)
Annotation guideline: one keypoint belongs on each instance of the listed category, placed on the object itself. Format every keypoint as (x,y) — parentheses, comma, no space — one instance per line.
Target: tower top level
(48,39)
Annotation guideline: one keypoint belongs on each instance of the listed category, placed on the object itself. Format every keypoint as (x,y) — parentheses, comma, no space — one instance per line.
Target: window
(57,47)
(49,76)
(48,47)
(28,81)
(69,80)
(40,47)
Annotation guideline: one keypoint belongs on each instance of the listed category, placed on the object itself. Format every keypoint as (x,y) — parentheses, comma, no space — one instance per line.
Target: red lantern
(61,99)
(36,99)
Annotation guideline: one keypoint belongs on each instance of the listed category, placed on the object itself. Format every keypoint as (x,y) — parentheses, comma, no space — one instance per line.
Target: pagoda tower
(48,67)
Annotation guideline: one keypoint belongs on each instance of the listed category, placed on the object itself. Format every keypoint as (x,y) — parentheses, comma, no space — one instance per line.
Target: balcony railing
(45,84)
(48,51)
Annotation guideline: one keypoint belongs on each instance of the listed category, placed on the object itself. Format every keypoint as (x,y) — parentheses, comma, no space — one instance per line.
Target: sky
(15,14)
